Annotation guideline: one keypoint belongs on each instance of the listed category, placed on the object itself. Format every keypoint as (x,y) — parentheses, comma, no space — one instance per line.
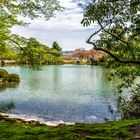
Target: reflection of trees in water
(8,85)
(6,107)
(2,87)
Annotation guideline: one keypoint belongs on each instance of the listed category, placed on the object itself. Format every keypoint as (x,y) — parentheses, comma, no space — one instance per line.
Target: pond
(69,93)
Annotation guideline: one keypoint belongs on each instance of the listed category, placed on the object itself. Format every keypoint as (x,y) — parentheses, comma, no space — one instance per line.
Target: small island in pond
(6,78)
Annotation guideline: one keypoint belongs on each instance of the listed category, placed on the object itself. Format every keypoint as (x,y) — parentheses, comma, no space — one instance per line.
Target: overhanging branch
(117,58)
(125,42)
(12,40)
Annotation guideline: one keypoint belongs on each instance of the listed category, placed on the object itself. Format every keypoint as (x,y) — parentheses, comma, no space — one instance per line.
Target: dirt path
(136,132)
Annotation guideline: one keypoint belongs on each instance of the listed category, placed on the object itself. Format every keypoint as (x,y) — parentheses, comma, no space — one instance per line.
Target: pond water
(71,93)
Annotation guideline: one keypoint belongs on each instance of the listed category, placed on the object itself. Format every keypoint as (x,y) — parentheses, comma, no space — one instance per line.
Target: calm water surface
(71,93)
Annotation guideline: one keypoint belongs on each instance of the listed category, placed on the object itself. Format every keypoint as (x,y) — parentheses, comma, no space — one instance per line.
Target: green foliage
(36,53)
(118,28)
(13,78)
(3,73)
(6,52)
(118,36)
(5,84)
(10,10)
(130,108)
(5,78)
(119,33)
(55,46)
(33,53)
(32,9)
(8,80)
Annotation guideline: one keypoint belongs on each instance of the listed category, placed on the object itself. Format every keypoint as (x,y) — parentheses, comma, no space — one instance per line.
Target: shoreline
(20,129)
(32,119)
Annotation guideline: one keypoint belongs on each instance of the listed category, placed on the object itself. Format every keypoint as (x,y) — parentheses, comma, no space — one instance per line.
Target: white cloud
(65,28)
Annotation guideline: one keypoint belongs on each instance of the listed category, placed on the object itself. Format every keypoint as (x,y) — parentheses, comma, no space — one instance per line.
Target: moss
(8,80)
(6,77)
(15,129)
(3,73)
(13,78)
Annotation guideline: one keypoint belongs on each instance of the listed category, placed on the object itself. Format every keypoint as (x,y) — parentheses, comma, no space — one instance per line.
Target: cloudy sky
(65,28)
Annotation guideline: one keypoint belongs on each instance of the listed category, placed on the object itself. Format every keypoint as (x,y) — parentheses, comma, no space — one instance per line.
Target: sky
(64,28)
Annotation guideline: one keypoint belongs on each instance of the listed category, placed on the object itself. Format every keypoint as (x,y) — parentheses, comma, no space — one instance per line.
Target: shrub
(3,73)
(6,78)
(130,109)
(13,78)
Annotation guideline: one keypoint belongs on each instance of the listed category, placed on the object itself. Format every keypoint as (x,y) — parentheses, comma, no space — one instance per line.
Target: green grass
(12,129)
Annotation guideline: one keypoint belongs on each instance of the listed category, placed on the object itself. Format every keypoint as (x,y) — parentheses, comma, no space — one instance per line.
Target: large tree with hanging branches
(118,36)
(11,10)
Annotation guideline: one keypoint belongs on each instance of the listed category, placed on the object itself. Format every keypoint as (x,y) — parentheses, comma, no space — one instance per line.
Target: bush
(13,78)
(6,78)
(3,73)
(130,109)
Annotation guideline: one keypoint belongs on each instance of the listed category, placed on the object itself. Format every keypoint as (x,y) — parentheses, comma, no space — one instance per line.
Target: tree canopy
(10,10)
(35,53)
(56,46)
(10,13)
(118,36)
(7,53)
(119,28)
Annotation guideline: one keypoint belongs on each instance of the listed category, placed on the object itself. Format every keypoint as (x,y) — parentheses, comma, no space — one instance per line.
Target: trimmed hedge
(6,77)
(12,78)
(3,73)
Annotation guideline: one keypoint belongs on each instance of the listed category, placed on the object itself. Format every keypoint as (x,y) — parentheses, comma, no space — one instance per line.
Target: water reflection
(6,107)
(4,86)
(62,92)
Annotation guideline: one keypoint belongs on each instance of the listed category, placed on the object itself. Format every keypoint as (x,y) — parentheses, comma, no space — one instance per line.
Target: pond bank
(32,119)
(17,129)
(7,62)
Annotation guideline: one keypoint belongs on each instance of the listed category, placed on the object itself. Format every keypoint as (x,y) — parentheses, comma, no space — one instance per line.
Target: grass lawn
(13,129)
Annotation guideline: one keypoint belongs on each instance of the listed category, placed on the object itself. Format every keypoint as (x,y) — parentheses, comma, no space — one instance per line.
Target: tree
(6,52)
(79,54)
(119,33)
(130,109)
(55,46)
(35,54)
(119,21)
(10,10)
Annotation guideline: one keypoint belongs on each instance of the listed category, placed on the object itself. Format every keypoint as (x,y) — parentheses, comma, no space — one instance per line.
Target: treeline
(32,53)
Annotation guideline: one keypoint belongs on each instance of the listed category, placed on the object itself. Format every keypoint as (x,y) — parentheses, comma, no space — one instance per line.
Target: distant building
(67,52)
(81,55)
